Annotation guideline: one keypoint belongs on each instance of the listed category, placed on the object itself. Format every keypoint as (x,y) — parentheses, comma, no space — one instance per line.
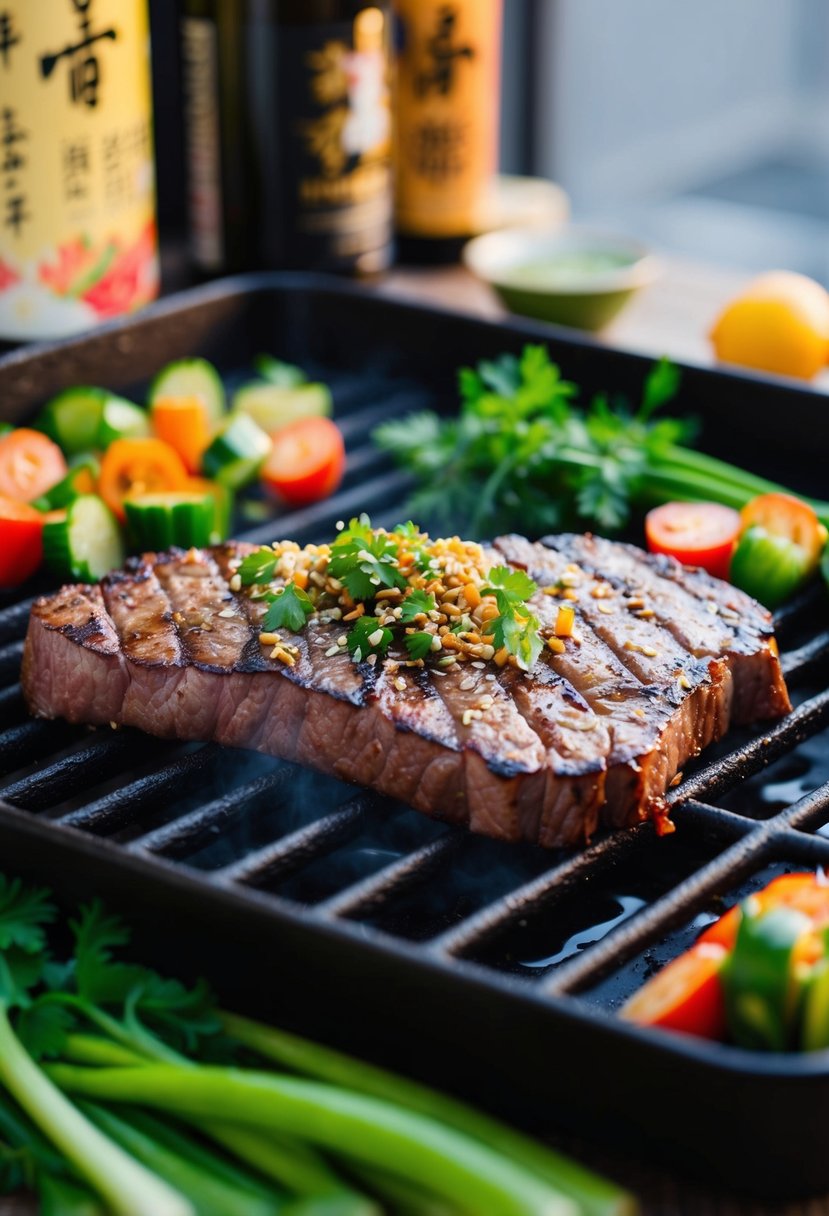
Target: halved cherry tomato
(789,517)
(139,466)
(686,995)
(696,533)
(803,892)
(30,464)
(21,541)
(306,462)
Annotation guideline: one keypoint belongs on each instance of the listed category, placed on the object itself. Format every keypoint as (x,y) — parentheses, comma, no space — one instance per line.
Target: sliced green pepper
(769,568)
(762,986)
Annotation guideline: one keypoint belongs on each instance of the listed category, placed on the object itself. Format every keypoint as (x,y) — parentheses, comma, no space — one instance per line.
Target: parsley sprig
(365,561)
(515,627)
(523,455)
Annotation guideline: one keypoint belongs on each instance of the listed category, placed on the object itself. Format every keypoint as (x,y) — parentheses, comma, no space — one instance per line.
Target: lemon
(780,323)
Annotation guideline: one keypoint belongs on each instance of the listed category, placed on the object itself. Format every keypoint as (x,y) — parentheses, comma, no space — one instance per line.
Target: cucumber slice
(273,406)
(75,483)
(158,521)
(86,544)
(191,378)
(286,375)
(120,419)
(237,453)
(72,418)
(5,427)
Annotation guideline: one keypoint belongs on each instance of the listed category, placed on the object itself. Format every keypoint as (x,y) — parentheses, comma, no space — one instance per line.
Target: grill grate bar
(808,809)
(10,656)
(747,760)
(101,757)
(797,610)
(359,422)
(184,834)
(794,662)
(321,517)
(393,879)
(118,807)
(299,847)
(24,743)
(14,620)
(618,946)
(544,890)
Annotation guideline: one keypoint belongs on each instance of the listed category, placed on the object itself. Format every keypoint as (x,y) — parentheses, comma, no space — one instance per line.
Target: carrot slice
(30,464)
(21,541)
(139,466)
(183,423)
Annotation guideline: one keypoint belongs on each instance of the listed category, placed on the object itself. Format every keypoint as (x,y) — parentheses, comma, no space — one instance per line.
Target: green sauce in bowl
(567,268)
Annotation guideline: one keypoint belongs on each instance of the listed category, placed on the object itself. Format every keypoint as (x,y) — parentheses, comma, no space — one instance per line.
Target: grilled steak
(661,661)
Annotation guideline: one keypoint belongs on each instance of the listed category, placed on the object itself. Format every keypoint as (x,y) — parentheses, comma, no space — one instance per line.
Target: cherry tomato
(21,541)
(30,464)
(696,533)
(686,995)
(306,462)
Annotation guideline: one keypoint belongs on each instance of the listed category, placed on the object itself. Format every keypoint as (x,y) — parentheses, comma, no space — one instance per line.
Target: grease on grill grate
(592,923)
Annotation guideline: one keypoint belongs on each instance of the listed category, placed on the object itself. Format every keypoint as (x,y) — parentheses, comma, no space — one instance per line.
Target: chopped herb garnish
(288,609)
(364,560)
(515,627)
(368,636)
(258,567)
(415,604)
(419,644)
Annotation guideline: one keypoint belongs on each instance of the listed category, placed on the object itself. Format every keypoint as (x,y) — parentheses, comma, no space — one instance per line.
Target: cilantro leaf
(517,584)
(43,1028)
(181,1015)
(288,609)
(661,385)
(419,644)
(360,643)
(415,604)
(23,913)
(258,567)
(99,979)
(365,561)
(522,639)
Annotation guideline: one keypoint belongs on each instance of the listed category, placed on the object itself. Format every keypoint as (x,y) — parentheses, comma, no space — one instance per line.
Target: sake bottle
(77,198)
(288,134)
(446,114)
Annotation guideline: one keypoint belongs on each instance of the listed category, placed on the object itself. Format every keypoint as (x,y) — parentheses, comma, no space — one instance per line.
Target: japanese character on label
(84,66)
(15,203)
(8,36)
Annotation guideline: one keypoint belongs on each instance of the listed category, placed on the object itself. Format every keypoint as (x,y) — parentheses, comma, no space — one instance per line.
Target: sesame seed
(320,641)
(683,681)
(711,607)
(645,614)
(607,609)
(400,684)
(332,650)
(371,660)
(269,639)
(374,639)
(227,613)
(236,583)
(470,716)
(339,525)
(556,645)
(342,639)
(477,663)
(437,643)
(467,683)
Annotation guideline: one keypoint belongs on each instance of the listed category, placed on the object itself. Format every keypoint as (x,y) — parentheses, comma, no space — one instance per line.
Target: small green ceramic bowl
(570,276)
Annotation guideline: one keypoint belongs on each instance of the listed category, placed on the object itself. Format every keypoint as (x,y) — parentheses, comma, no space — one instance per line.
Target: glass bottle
(77,193)
(288,131)
(446,115)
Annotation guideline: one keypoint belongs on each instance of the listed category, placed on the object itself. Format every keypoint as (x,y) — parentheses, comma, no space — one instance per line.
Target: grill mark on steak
(526,769)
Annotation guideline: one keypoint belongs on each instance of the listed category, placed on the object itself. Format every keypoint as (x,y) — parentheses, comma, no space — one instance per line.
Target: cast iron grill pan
(492,970)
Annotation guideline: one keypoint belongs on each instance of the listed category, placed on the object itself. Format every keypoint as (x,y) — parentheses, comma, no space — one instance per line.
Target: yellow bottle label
(77,197)
(446,113)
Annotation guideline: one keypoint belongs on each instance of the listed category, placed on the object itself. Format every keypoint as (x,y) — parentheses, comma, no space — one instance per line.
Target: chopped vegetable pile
(441,598)
(100,473)
(125,1091)
(758,977)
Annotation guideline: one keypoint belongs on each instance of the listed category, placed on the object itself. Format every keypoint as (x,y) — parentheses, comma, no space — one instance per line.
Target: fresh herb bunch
(100,1111)
(524,455)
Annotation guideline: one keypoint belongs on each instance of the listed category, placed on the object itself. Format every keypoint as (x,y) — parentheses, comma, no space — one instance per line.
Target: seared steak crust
(663,660)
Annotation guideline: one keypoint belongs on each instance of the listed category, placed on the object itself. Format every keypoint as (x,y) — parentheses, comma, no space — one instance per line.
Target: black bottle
(288,134)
